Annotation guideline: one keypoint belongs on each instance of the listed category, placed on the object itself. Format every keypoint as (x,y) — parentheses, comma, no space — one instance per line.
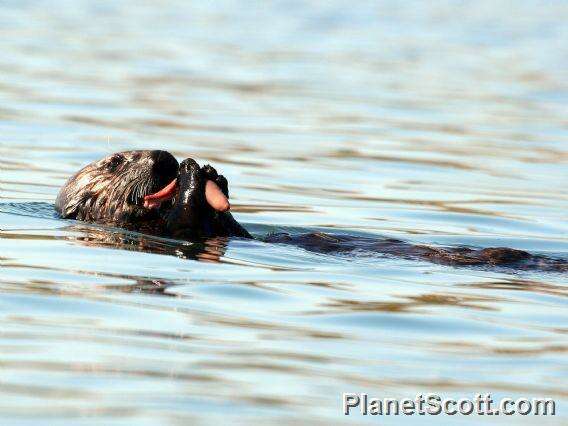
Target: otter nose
(164,163)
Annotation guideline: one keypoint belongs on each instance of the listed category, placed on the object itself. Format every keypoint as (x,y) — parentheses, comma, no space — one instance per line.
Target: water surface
(433,122)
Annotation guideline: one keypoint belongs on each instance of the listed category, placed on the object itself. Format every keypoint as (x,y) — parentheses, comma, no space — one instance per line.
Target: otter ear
(114,161)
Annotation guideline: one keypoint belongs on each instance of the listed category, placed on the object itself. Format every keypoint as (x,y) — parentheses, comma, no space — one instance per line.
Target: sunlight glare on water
(433,122)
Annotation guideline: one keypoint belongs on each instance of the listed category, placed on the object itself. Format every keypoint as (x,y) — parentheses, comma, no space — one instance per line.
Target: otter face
(113,189)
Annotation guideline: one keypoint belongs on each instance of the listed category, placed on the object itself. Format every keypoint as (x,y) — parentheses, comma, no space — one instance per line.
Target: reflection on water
(430,122)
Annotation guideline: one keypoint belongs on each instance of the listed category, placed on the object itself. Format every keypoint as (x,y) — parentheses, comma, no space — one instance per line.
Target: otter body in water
(149,192)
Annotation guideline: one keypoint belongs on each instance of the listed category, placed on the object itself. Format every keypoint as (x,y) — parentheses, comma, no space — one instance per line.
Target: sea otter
(150,192)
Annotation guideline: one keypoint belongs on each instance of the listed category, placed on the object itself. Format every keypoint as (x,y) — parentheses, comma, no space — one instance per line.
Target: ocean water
(437,122)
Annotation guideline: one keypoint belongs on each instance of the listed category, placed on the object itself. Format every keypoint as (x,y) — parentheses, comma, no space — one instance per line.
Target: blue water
(433,122)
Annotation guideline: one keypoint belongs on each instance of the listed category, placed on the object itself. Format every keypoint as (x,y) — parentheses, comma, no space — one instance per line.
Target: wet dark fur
(112,190)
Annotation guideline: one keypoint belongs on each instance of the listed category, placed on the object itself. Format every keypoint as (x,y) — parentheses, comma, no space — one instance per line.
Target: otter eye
(114,162)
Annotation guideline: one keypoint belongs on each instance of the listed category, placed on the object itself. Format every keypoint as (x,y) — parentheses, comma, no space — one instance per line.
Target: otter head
(150,191)
(113,189)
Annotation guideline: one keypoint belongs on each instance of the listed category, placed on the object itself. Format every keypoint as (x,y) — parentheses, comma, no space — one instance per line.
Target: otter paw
(191,183)
(209,173)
